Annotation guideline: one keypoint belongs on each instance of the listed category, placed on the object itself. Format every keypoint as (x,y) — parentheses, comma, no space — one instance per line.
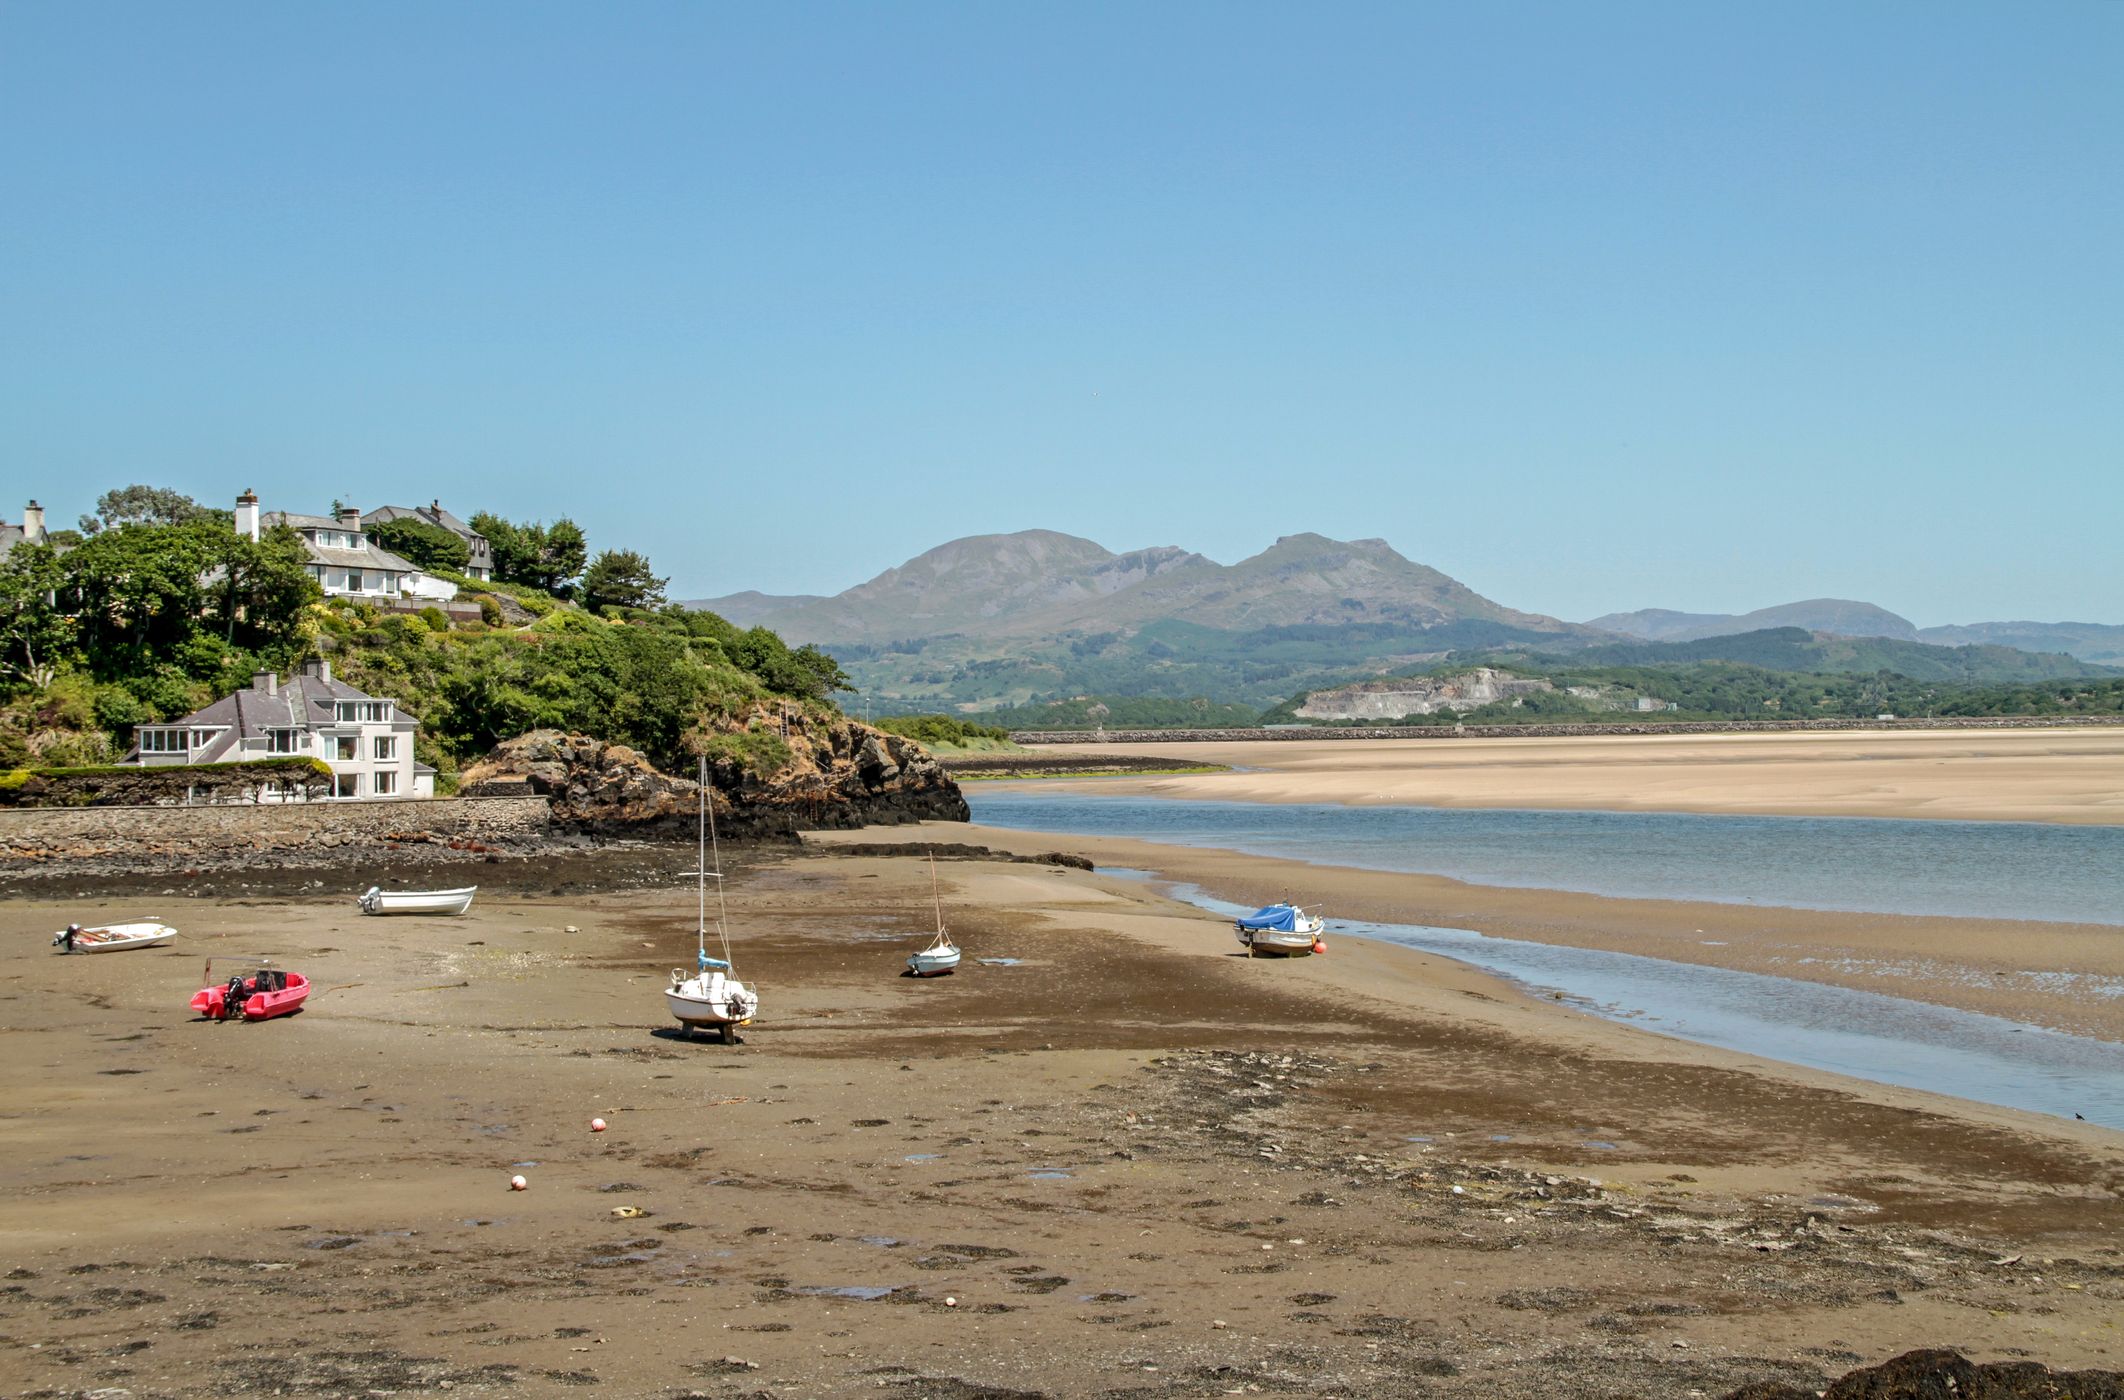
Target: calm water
(1863,1034)
(2005,870)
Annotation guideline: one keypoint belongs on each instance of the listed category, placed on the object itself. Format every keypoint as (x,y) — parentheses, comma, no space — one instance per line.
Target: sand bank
(2064,976)
(1133,1162)
(2039,775)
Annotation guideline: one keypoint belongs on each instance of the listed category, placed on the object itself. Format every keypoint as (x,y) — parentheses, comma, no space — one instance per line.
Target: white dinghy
(1280,931)
(941,957)
(378,900)
(113,938)
(712,998)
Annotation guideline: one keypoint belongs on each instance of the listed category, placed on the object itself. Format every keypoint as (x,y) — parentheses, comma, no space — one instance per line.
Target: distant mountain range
(1021,618)
(2089,641)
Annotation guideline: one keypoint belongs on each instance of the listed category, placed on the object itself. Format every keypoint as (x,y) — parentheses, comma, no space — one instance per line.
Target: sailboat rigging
(942,955)
(712,998)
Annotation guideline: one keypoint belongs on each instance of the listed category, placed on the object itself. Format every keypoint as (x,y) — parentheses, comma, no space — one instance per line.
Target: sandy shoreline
(2036,775)
(2063,976)
(1136,1163)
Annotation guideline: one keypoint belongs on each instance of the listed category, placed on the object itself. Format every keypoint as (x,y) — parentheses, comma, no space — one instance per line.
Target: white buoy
(517,1183)
(597,1125)
(951,1302)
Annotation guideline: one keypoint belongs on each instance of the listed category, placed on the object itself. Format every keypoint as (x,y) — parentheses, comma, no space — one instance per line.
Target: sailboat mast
(933,894)
(700,865)
(722,905)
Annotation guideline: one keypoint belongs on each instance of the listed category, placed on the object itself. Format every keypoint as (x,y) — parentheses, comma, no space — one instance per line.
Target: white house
(366,741)
(345,562)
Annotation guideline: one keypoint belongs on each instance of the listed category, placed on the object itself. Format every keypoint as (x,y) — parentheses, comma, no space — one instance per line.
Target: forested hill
(1795,649)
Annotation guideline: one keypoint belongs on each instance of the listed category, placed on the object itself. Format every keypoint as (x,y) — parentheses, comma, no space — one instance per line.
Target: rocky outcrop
(1947,1375)
(767,780)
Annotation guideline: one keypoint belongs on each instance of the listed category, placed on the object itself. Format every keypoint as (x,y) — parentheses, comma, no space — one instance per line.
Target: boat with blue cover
(1280,931)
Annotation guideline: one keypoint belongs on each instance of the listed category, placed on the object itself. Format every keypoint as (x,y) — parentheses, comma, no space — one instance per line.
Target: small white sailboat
(378,900)
(113,938)
(1280,931)
(712,998)
(941,957)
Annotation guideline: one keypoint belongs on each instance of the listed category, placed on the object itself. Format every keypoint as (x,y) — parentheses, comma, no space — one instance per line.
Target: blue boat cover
(1278,917)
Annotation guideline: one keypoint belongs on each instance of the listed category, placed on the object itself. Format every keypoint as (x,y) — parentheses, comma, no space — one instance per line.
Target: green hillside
(153,618)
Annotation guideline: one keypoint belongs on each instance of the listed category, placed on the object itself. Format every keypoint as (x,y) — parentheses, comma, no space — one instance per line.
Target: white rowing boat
(382,901)
(113,938)
(941,957)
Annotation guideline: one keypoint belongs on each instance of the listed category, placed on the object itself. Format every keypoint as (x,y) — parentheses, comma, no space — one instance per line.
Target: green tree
(142,505)
(430,546)
(622,578)
(561,556)
(34,638)
(546,557)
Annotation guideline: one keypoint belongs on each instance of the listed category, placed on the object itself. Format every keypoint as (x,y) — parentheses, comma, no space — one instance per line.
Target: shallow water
(1862,1034)
(1998,870)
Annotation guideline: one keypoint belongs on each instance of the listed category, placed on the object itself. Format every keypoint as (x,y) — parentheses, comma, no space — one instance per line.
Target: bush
(436,618)
(489,611)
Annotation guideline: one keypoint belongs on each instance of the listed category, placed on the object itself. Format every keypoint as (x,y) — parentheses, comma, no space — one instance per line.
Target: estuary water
(1971,869)
(1997,870)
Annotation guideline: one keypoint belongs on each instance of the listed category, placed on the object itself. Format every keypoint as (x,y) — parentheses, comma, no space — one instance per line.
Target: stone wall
(33,838)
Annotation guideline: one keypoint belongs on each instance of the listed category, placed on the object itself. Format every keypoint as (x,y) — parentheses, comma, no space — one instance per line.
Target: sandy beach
(2035,775)
(1117,1160)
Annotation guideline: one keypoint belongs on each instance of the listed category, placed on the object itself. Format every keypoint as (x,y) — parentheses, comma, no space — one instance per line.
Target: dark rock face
(836,775)
(1948,1375)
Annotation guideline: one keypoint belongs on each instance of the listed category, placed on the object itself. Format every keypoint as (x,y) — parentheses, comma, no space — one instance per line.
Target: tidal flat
(1107,1157)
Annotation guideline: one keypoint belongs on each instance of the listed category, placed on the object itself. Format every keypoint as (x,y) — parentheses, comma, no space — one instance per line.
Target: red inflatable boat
(255,996)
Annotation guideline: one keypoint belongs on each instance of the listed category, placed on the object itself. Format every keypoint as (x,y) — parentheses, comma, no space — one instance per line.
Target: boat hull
(252,1005)
(444,902)
(1275,943)
(934,962)
(713,1002)
(116,938)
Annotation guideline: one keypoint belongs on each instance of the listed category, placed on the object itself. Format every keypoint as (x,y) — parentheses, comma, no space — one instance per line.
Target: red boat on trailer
(257,996)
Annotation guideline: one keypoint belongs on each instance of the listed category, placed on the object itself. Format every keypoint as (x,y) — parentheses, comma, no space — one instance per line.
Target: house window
(163,741)
(376,711)
(346,747)
(386,747)
(283,741)
(384,784)
(353,580)
(347,785)
(347,712)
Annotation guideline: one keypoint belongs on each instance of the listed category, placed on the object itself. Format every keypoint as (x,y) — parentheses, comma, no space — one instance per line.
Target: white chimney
(33,523)
(247,514)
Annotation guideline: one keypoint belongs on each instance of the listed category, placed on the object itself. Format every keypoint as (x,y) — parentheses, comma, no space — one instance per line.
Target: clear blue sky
(1594,306)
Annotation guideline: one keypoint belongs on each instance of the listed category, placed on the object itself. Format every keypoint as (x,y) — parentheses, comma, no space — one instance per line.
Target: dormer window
(164,741)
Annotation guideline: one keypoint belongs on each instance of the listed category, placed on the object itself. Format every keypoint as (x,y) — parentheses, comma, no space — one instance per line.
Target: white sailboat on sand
(712,998)
(942,955)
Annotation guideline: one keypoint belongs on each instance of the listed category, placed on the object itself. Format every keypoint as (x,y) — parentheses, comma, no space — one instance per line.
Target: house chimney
(319,669)
(247,514)
(33,523)
(350,519)
(265,683)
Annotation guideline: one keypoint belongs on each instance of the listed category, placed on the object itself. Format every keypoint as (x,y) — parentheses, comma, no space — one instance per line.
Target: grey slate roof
(433,514)
(302,702)
(373,557)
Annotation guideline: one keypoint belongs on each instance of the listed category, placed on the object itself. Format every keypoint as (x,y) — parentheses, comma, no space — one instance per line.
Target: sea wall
(178,838)
(1543,731)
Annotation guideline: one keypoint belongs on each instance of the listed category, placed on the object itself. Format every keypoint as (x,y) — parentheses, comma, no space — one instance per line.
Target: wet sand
(1135,1164)
(2064,976)
(2035,775)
